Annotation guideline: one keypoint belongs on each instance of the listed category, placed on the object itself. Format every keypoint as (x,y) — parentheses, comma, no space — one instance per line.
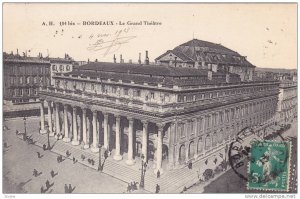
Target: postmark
(268,167)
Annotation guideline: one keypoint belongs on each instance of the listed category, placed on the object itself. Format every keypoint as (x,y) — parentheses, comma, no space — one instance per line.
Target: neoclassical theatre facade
(170,115)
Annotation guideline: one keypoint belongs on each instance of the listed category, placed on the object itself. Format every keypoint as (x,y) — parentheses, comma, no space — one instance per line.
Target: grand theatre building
(170,115)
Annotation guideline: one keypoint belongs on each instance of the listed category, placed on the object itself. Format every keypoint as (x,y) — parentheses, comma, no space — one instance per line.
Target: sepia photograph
(149,98)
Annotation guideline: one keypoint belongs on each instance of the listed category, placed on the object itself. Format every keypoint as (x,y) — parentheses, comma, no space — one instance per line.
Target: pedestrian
(93,162)
(190,166)
(5,145)
(68,153)
(35,173)
(105,154)
(42,189)
(39,155)
(44,147)
(158,174)
(17,132)
(157,188)
(74,160)
(128,188)
(70,188)
(58,159)
(66,189)
(82,157)
(47,184)
(53,174)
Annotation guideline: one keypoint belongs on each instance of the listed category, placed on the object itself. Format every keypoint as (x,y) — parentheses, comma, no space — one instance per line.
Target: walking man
(66,188)
(157,188)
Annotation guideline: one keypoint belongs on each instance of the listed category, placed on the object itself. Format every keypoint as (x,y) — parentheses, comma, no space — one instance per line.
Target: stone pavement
(170,182)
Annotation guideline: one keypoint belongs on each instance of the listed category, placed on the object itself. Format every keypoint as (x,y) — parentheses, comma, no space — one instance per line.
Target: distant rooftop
(204,51)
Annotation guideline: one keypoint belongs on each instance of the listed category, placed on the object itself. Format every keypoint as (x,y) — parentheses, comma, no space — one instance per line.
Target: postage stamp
(268,167)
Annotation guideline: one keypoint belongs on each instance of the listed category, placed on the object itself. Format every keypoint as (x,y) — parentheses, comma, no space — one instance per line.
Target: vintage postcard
(149,98)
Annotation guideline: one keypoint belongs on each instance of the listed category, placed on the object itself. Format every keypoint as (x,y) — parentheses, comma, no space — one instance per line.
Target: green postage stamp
(269,166)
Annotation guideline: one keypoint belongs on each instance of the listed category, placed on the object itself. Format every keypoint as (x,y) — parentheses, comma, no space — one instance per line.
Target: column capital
(145,122)
(65,105)
(74,108)
(117,116)
(84,110)
(160,126)
(130,119)
(94,111)
(105,114)
(42,100)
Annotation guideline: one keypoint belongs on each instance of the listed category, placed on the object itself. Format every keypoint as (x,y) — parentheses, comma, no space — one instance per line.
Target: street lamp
(48,132)
(25,134)
(99,165)
(143,171)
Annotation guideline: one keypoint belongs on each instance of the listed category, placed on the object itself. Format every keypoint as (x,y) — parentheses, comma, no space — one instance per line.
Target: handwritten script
(108,43)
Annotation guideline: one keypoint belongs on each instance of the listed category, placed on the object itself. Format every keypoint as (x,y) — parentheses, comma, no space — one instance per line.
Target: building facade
(206,55)
(22,78)
(24,75)
(287,102)
(171,115)
(61,65)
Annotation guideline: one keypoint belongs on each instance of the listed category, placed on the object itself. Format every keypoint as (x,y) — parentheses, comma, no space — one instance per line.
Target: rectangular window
(125,91)
(152,95)
(20,92)
(27,91)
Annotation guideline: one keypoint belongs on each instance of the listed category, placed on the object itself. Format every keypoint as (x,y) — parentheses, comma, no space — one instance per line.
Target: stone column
(130,160)
(105,129)
(75,136)
(145,140)
(51,133)
(95,147)
(117,155)
(84,131)
(42,130)
(66,137)
(57,125)
(159,149)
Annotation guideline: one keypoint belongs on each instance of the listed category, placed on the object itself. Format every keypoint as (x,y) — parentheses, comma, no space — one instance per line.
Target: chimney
(175,61)
(147,58)
(130,61)
(209,75)
(88,60)
(115,60)
(11,52)
(17,51)
(140,62)
(121,58)
(96,60)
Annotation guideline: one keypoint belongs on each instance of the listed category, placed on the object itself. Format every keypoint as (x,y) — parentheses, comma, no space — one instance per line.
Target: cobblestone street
(20,159)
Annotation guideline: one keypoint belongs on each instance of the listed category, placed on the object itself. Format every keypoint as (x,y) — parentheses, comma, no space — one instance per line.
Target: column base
(65,139)
(51,134)
(160,170)
(95,149)
(130,162)
(118,157)
(86,146)
(43,131)
(75,142)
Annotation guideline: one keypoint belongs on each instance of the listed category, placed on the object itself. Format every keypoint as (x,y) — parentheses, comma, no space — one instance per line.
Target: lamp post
(25,134)
(48,132)
(99,165)
(143,171)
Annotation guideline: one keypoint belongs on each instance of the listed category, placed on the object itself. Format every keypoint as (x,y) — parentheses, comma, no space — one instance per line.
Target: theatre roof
(151,74)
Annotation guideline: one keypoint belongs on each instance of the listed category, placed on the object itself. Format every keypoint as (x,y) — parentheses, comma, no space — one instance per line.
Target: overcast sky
(265,33)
